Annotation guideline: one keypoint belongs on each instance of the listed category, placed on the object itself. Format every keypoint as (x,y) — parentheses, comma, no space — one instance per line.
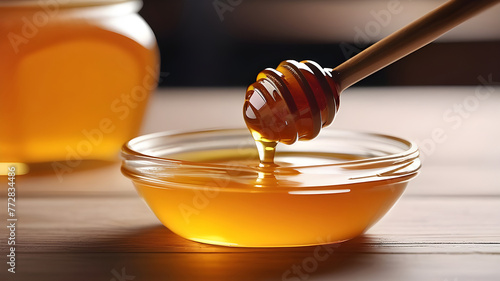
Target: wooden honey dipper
(295,100)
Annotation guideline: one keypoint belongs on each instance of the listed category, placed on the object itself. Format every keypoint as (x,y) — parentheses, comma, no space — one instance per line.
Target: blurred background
(227,42)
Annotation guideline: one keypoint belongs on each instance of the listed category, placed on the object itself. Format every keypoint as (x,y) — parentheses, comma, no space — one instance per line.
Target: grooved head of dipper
(292,102)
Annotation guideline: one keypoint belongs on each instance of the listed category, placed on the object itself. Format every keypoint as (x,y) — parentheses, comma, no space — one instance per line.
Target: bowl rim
(127,150)
(403,165)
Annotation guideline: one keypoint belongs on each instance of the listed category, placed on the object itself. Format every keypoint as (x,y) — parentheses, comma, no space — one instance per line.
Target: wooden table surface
(91,225)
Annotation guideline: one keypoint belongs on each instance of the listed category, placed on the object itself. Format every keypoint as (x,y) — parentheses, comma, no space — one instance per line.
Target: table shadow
(156,253)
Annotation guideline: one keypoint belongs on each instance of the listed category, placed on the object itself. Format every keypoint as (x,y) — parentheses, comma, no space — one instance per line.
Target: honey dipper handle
(407,40)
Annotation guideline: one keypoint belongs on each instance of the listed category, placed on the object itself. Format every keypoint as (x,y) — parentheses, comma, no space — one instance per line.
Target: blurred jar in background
(75,78)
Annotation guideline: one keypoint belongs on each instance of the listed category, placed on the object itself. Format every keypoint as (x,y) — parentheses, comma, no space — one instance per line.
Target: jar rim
(61,3)
(144,156)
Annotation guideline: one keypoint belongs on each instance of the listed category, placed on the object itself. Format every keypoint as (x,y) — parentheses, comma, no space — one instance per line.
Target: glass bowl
(207,186)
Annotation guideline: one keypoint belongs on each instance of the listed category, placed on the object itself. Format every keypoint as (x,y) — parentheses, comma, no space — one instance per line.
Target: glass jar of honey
(75,78)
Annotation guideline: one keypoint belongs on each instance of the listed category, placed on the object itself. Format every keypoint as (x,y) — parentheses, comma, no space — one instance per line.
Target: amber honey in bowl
(209,186)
